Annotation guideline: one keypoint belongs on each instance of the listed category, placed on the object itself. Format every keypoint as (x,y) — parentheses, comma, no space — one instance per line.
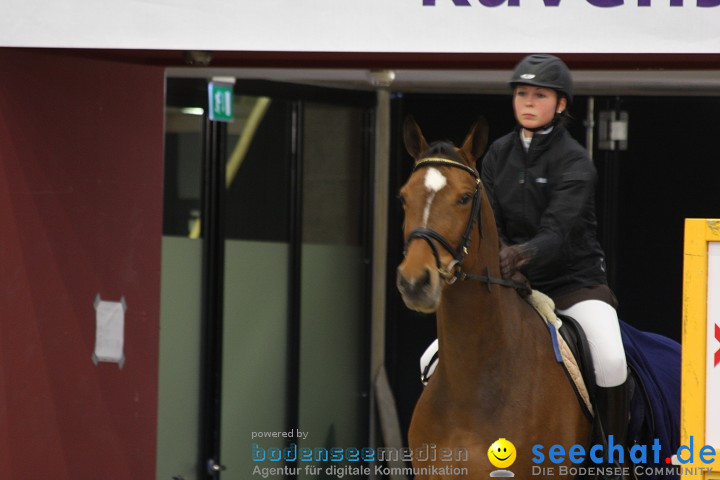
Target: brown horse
(497,376)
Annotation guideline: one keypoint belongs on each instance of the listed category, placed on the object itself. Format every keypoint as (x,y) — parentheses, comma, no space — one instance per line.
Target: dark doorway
(666,175)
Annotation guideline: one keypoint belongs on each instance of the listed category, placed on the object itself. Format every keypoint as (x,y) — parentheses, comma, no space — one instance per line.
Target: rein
(453,272)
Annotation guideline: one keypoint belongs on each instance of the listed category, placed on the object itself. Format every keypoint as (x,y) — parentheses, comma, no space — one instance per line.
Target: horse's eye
(401,199)
(465,199)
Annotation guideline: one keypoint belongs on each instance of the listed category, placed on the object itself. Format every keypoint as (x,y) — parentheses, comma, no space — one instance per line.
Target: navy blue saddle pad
(656,361)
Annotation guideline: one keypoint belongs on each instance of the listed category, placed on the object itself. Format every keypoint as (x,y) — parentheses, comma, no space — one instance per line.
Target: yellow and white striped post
(700,395)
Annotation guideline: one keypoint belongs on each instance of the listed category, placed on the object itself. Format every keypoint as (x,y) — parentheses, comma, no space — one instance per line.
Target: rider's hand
(512,257)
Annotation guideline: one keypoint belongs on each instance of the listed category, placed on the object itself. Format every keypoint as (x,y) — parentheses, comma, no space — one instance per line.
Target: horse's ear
(414,140)
(476,140)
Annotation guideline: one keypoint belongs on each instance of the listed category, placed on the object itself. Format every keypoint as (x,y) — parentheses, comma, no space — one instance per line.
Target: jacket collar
(540,142)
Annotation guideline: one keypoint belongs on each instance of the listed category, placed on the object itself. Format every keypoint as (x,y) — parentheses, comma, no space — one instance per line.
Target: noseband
(454,268)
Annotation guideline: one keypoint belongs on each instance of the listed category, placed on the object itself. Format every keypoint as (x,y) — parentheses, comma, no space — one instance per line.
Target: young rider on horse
(541,183)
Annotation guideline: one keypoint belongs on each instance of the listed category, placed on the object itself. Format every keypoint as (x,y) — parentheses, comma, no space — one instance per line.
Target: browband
(447,162)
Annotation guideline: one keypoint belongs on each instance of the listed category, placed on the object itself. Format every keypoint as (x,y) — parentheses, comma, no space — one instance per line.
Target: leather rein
(453,272)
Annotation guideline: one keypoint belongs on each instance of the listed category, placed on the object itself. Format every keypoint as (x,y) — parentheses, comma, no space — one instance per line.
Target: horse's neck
(477,326)
(480,326)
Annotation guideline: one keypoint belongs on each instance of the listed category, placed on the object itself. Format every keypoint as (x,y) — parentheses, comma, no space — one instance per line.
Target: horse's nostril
(425,279)
(413,284)
(401,281)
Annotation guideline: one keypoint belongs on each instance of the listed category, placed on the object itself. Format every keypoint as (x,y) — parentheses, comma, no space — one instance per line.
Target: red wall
(80,214)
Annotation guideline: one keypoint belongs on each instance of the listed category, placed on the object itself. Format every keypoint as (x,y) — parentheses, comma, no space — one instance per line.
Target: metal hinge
(613,130)
(213,468)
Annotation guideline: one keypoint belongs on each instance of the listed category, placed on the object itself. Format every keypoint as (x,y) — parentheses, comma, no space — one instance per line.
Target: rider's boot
(612,404)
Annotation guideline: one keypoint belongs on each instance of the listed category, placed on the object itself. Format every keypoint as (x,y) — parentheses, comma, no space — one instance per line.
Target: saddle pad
(657,362)
(545,307)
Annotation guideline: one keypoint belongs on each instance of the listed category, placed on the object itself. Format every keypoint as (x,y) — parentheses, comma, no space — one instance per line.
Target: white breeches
(600,322)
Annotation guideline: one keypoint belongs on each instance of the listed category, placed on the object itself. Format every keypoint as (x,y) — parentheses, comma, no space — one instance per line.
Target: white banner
(429,26)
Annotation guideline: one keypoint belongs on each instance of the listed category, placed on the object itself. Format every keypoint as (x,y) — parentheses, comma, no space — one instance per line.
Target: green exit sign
(220,101)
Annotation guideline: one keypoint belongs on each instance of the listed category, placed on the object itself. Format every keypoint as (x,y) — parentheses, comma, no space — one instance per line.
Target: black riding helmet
(542,70)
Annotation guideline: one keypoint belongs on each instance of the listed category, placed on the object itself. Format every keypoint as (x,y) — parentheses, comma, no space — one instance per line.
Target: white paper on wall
(109,331)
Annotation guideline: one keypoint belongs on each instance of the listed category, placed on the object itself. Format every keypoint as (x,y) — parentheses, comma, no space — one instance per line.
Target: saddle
(641,424)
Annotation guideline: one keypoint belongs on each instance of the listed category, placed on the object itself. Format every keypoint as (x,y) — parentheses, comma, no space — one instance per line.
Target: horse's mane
(442,149)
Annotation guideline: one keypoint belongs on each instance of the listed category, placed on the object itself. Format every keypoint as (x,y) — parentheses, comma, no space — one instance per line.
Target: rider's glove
(512,257)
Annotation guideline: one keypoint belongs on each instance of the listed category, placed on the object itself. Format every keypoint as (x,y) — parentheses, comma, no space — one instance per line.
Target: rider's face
(536,106)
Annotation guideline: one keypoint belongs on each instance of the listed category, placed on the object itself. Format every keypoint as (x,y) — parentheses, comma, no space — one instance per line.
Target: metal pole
(213,263)
(295,274)
(590,126)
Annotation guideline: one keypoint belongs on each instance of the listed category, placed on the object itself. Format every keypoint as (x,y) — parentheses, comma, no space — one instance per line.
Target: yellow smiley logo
(502,453)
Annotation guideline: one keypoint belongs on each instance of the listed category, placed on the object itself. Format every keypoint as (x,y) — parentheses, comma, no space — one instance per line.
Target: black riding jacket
(545,198)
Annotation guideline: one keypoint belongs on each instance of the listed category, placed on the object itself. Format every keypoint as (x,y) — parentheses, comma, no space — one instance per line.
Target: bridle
(458,253)
(453,271)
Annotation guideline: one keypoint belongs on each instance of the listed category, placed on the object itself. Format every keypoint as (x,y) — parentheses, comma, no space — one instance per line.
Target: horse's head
(441,200)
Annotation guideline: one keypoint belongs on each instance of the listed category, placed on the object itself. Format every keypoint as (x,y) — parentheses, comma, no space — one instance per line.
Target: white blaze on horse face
(434,182)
